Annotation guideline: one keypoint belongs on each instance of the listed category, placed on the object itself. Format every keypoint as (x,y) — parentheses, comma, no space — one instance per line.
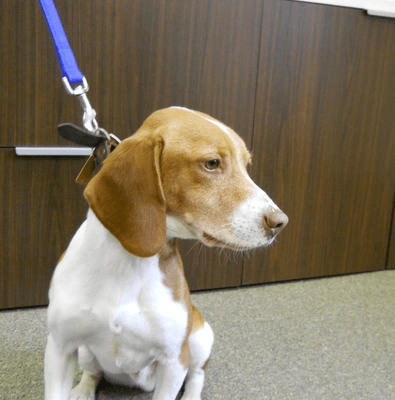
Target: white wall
(384,8)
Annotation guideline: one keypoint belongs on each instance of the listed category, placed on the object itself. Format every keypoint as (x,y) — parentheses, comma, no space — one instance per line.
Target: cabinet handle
(53,151)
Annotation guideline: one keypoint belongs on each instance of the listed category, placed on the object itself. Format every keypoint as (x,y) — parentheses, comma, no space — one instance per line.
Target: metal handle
(53,151)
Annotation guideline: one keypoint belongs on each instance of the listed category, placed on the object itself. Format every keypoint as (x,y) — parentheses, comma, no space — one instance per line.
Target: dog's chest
(147,325)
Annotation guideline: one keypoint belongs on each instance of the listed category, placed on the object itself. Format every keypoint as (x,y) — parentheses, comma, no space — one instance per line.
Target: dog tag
(87,170)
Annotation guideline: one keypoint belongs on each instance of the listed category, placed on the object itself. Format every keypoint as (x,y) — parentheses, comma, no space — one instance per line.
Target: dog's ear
(127,197)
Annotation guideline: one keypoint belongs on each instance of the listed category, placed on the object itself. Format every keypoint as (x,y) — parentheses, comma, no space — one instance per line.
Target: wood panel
(138,56)
(41,209)
(391,246)
(324,139)
(202,55)
(31,96)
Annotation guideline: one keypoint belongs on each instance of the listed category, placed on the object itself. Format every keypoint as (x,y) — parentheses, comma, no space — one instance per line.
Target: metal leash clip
(92,135)
(102,151)
(105,143)
(89,117)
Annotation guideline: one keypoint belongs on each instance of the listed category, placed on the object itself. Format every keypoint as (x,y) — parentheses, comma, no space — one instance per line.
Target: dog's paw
(82,392)
(86,389)
(190,397)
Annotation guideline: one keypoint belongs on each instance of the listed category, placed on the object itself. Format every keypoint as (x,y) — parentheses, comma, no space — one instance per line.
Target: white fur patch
(247,219)
(177,228)
(133,318)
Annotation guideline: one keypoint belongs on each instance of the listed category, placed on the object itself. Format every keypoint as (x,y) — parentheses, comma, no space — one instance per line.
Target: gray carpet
(326,339)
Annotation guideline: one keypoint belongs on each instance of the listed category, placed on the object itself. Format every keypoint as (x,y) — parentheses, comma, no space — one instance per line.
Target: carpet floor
(323,339)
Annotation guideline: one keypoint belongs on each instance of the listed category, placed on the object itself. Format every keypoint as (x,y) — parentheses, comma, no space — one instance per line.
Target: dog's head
(182,174)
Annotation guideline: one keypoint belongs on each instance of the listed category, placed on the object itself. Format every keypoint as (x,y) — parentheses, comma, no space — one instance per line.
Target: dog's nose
(275,221)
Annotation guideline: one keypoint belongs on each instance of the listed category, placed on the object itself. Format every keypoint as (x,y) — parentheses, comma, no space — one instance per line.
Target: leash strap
(92,135)
(71,74)
(68,64)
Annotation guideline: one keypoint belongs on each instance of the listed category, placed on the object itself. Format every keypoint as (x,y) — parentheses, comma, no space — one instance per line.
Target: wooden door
(41,209)
(309,88)
(324,140)
(138,56)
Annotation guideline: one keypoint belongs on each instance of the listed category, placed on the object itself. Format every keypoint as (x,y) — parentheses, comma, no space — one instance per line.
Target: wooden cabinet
(41,209)
(324,139)
(308,87)
(138,56)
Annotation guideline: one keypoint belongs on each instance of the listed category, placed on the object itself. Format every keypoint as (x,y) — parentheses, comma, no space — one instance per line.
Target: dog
(119,301)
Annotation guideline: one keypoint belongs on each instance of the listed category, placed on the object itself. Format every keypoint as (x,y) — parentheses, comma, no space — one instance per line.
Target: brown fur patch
(127,197)
(171,265)
(198,321)
(60,259)
(192,192)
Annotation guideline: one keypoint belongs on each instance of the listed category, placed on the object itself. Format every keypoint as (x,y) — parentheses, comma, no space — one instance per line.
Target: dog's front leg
(169,377)
(58,371)
(91,377)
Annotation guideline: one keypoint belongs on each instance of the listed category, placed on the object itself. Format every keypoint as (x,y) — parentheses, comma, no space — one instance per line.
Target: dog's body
(119,295)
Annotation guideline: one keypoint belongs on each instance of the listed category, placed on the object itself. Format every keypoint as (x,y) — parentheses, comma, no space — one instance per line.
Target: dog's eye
(211,165)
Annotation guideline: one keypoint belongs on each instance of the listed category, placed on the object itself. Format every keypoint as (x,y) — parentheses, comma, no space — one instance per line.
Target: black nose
(275,221)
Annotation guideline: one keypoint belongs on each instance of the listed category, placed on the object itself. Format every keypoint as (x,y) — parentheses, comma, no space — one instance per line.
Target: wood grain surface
(138,56)
(324,139)
(309,88)
(41,209)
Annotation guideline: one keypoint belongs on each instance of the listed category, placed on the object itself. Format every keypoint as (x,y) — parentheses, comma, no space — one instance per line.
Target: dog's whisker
(193,246)
(200,250)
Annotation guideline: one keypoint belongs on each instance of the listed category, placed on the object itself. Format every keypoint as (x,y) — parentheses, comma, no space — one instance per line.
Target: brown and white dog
(119,298)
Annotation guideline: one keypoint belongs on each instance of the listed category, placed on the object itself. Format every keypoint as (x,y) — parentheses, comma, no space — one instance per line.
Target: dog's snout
(275,221)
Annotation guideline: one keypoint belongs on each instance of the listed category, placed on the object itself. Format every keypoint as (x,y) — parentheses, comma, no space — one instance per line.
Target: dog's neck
(103,242)
(176,228)
(107,247)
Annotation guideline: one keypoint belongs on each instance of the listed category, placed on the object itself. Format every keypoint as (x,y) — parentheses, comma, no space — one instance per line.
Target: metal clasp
(89,117)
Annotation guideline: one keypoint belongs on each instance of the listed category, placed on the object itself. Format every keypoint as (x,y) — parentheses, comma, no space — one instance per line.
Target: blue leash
(92,135)
(70,72)
(68,64)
